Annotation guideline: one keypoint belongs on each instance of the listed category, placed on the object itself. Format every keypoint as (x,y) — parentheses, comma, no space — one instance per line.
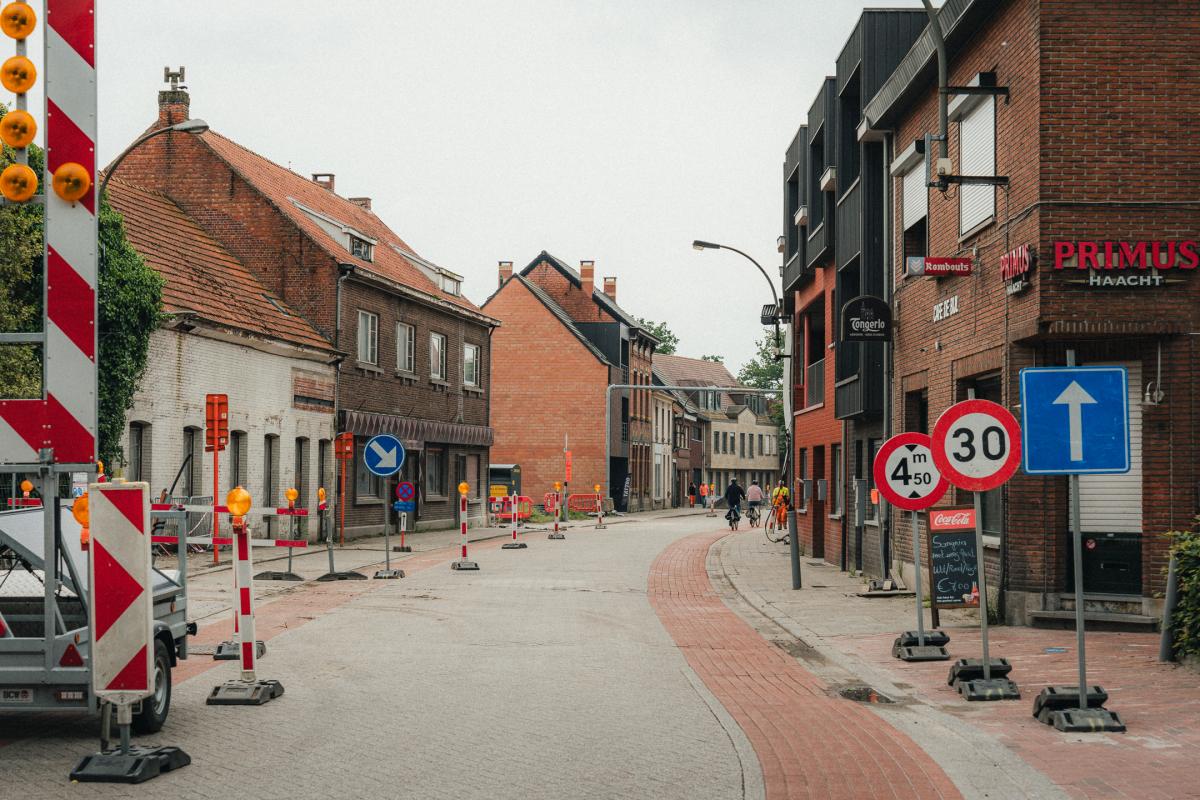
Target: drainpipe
(935,30)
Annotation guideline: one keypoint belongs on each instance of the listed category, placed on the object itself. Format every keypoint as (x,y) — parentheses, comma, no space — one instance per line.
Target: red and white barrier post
(599,508)
(248,691)
(558,511)
(287,574)
(514,509)
(463,563)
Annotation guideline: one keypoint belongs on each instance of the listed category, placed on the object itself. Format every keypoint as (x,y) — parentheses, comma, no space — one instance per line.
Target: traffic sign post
(384,455)
(406,503)
(977,447)
(326,528)
(1076,421)
(387,571)
(906,475)
(121,620)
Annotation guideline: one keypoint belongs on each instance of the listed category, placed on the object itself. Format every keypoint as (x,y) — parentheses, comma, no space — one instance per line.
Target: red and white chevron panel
(65,419)
(121,611)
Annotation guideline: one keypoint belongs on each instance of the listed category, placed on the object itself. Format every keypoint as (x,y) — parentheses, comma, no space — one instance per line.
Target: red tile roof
(285,188)
(200,275)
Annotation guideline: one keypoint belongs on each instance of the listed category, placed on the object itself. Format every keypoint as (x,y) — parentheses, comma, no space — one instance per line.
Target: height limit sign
(905,473)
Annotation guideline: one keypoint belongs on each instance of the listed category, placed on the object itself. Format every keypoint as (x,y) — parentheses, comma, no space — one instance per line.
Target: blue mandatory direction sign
(383,455)
(1075,420)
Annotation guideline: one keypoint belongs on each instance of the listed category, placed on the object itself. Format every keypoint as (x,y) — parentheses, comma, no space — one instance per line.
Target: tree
(668,341)
(765,372)
(129,309)
(717,359)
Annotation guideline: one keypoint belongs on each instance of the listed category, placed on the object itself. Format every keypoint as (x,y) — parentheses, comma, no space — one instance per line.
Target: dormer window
(451,285)
(360,248)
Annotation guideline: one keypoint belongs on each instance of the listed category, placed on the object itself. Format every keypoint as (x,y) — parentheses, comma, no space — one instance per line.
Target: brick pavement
(810,744)
(1160,703)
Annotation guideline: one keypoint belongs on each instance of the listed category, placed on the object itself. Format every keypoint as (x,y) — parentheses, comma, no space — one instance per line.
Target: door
(816,510)
(1111,510)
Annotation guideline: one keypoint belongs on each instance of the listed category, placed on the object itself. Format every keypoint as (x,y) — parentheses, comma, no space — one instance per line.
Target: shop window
(368,487)
(435,472)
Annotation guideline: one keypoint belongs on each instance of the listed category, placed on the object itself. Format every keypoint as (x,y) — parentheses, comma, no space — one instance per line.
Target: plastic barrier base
(232,651)
(277,576)
(397,548)
(1062,698)
(971,669)
(140,764)
(929,652)
(1089,720)
(342,576)
(389,573)
(514,546)
(464,565)
(935,638)
(559,535)
(994,689)
(244,693)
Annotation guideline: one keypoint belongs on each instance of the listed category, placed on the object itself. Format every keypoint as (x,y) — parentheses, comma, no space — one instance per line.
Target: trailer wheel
(156,707)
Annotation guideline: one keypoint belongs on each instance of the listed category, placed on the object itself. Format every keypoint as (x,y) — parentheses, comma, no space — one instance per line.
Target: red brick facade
(1095,138)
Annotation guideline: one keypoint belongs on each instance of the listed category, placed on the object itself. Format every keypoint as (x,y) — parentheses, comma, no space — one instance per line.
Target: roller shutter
(916,196)
(1113,503)
(977,156)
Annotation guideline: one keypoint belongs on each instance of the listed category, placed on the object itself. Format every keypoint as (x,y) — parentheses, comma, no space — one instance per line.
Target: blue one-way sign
(383,455)
(1075,420)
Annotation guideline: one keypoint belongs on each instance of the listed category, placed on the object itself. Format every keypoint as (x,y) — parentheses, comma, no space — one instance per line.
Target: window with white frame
(471,365)
(368,337)
(451,285)
(977,156)
(405,347)
(360,248)
(437,356)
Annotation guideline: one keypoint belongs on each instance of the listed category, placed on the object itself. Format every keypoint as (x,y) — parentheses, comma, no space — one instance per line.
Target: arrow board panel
(1075,420)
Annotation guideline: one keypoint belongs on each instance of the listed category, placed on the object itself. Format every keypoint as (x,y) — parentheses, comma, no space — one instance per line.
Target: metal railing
(814,383)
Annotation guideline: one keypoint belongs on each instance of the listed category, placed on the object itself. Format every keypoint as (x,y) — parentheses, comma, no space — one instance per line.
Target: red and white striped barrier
(463,563)
(226,541)
(513,504)
(64,420)
(254,512)
(558,508)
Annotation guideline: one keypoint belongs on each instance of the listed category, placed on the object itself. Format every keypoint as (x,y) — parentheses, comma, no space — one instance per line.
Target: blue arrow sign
(1075,420)
(383,455)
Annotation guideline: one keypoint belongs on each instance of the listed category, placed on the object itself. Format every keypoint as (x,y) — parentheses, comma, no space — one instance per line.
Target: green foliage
(130,302)
(668,341)
(717,359)
(1185,547)
(765,372)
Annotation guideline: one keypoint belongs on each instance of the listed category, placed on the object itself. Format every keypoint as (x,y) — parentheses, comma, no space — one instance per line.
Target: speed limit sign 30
(977,445)
(905,472)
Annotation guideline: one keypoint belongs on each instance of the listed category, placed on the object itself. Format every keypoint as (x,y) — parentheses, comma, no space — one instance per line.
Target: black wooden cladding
(795,195)
(848,241)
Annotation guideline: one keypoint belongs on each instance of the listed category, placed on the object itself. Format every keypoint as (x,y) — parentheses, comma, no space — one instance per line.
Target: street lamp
(192,126)
(790,423)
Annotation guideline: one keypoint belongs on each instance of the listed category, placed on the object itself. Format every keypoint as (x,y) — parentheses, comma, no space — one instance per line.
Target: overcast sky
(611,130)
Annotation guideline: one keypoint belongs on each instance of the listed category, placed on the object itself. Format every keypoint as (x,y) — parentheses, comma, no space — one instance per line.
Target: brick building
(275,367)
(562,342)
(415,352)
(1087,243)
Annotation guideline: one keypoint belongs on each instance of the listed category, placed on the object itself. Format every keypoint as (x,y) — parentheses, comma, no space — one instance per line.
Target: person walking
(692,494)
(704,495)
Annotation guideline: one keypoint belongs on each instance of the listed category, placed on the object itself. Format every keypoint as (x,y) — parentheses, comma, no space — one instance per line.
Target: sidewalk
(848,638)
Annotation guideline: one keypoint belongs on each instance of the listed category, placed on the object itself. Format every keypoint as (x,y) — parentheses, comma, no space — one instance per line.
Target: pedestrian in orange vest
(692,495)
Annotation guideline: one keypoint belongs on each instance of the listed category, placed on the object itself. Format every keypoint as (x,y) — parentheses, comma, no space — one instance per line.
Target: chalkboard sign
(953,569)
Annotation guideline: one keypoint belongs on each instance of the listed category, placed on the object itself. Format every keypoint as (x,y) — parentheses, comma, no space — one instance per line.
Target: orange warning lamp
(291,495)
(79,510)
(557,486)
(17,128)
(321,494)
(18,183)
(238,502)
(463,487)
(18,74)
(17,20)
(71,181)
(596,488)
(26,487)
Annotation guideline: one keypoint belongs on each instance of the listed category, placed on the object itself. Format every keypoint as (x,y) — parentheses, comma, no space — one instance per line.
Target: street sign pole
(981,579)
(916,537)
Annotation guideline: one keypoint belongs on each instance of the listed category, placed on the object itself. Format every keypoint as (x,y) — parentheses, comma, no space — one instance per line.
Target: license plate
(16,695)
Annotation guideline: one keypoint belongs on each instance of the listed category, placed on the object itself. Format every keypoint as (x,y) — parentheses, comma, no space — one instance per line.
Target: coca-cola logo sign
(951,519)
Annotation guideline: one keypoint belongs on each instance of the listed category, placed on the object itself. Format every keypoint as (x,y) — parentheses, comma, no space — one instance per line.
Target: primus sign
(1138,263)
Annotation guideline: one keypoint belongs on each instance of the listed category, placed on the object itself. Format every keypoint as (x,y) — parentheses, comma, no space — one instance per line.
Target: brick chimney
(587,271)
(610,287)
(323,179)
(364,202)
(505,271)
(174,106)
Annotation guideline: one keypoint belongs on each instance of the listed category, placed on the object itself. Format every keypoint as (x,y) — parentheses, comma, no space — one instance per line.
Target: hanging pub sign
(866,319)
(1127,264)
(1016,268)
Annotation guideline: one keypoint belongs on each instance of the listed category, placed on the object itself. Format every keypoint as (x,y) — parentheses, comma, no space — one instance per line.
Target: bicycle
(752,515)
(734,517)
(774,524)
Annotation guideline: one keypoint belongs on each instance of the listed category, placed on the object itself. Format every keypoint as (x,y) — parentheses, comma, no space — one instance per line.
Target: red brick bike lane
(810,743)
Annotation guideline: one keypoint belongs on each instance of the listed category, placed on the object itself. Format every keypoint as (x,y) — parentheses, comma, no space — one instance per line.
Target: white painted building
(662,454)
(225,334)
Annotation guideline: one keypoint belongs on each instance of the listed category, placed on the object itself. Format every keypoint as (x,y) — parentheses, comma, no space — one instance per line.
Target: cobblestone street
(660,658)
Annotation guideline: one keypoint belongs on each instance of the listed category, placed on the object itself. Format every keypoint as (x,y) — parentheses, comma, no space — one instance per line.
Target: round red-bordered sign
(977,445)
(905,473)
(405,491)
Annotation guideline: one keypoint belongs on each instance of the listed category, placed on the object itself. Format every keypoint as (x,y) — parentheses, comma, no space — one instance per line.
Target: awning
(415,432)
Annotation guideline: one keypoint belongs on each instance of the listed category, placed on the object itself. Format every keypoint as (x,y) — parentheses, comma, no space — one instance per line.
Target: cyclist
(734,495)
(754,499)
(780,498)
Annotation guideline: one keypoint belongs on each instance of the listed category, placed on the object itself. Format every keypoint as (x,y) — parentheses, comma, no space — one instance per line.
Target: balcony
(817,249)
(848,231)
(793,271)
(814,384)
